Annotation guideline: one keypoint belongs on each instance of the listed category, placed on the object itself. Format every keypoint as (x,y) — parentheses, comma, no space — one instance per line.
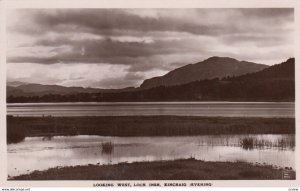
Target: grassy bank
(20,127)
(185,169)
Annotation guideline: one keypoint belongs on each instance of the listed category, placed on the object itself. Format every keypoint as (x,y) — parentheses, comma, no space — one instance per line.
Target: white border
(12,4)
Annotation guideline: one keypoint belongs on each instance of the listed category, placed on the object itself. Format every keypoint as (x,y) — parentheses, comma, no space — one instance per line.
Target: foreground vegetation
(20,127)
(250,143)
(185,169)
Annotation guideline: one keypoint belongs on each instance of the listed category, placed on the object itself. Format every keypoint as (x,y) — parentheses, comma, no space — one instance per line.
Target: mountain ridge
(213,67)
(34,89)
(275,83)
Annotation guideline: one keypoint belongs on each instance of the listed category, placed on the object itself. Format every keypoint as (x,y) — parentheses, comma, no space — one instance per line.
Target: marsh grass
(133,126)
(250,143)
(247,143)
(15,135)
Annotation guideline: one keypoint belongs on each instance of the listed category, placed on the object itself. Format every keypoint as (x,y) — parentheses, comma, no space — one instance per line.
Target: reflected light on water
(40,154)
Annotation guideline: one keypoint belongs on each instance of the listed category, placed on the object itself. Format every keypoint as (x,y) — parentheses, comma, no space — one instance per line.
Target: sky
(117,48)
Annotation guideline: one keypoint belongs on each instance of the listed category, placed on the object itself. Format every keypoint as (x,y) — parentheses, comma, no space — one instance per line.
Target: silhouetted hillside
(275,83)
(29,89)
(214,67)
(285,70)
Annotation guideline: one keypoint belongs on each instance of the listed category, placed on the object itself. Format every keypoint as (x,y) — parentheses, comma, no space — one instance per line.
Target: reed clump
(107,147)
(249,143)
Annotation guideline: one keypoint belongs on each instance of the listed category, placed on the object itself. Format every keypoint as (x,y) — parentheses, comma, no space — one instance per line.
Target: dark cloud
(262,40)
(109,21)
(269,13)
(138,55)
(105,21)
(145,40)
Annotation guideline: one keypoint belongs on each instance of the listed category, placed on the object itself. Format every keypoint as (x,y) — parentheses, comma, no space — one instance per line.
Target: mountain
(275,83)
(15,83)
(30,89)
(208,69)
(39,89)
(214,67)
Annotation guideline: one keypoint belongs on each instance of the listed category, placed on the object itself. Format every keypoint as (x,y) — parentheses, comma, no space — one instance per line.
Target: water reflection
(39,154)
(229,109)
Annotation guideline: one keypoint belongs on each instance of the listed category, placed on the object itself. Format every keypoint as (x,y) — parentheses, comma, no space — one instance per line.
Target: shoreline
(180,169)
(149,102)
(131,126)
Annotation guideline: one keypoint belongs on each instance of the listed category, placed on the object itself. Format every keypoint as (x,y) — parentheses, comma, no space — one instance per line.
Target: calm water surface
(226,109)
(36,153)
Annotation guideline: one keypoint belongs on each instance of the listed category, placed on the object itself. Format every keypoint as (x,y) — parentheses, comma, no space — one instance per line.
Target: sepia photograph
(150,94)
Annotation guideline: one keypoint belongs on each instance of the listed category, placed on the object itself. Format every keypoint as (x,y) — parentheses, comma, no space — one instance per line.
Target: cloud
(106,21)
(104,51)
(141,42)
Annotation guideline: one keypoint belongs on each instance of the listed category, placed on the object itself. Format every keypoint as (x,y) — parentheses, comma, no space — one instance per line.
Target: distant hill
(275,83)
(214,67)
(208,69)
(15,83)
(23,89)
(39,89)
